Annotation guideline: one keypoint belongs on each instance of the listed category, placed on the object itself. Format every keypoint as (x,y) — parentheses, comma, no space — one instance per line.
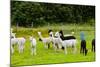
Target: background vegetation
(36,14)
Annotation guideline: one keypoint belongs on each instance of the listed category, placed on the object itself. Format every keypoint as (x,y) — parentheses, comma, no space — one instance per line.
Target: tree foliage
(24,13)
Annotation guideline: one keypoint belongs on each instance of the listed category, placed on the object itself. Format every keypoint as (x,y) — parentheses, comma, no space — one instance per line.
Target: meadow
(49,56)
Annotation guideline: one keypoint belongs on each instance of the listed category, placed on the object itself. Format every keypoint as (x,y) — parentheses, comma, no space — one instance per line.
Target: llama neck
(62,35)
(40,36)
(60,39)
(31,40)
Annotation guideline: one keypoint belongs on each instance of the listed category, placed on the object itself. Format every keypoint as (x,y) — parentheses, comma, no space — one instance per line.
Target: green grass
(49,56)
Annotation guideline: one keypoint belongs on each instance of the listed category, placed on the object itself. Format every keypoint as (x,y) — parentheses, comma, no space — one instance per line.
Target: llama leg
(86,52)
(45,46)
(54,46)
(34,50)
(31,50)
(12,49)
(19,49)
(62,48)
(81,49)
(65,50)
(22,48)
(48,45)
(94,48)
(74,49)
(93,45)
(59,47)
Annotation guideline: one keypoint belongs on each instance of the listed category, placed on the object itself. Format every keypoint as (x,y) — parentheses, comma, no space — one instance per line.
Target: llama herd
(58,41)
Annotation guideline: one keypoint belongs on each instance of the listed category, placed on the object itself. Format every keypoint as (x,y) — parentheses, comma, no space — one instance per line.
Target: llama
(55,41)
(44,40)
(20,42)
(50,35)
(66,37)
(93,45)
(13,42)
(83,48)
(33,45)
(67,43)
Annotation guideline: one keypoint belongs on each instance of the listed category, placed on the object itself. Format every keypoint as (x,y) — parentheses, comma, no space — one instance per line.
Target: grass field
(49,56)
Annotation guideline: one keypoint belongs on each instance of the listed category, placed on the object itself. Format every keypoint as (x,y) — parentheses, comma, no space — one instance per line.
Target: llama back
(71,42)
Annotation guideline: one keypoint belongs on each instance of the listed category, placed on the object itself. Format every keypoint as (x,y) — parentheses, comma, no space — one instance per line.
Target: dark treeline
(24,13)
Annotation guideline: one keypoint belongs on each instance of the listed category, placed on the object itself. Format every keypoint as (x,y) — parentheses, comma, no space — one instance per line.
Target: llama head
(49,31)
(57,34)
(39,33)
(13,35)
(51,34)
(30,38)
(72,33)
(61,33)
(11,29)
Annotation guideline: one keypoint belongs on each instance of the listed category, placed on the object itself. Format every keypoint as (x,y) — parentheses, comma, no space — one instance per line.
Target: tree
(43,13)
